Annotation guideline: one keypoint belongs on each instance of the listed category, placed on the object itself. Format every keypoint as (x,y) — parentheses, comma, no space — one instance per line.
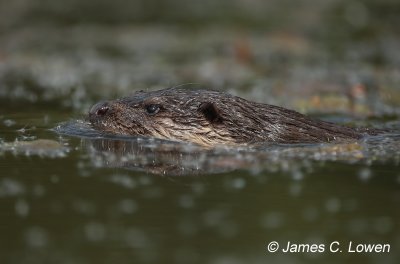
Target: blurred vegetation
(84,49)
(334,22)
(342,17)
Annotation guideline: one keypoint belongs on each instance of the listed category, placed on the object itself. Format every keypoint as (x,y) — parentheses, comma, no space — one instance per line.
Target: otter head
(174,114)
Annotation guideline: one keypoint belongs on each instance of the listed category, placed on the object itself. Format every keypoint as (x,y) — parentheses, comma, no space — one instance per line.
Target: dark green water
(66,205)
(67,196)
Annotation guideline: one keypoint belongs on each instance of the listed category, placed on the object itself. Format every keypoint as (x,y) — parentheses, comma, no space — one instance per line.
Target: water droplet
(186,201)
(128,206)
(238,183)
(295,189)
(297,175)
(333,205)
(136,238)
(383,225)
(124,181)
(36,237)
(22,208)
(365,174)
(272,220)
(54,179)
(310,213)
(95,232)
(38,190)
(9,122)
(10,187)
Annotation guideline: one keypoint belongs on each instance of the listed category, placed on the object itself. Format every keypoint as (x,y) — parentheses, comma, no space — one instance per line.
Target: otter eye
(102,111)
(152,109)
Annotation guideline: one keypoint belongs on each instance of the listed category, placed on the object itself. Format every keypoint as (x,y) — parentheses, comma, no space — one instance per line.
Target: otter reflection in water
(210,118)
(164,158)
(174,158)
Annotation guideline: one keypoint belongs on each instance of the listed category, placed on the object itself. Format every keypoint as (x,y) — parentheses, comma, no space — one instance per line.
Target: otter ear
(210,112)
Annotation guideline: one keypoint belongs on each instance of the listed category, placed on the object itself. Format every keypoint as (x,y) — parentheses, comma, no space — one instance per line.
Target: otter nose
(99,109)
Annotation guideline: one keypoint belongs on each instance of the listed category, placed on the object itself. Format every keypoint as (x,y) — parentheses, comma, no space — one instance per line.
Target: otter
(210,118)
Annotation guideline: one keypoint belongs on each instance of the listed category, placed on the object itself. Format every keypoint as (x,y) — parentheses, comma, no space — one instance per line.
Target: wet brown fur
(210,118)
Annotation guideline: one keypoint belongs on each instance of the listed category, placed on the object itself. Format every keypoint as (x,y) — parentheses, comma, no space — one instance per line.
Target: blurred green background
(344,52)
